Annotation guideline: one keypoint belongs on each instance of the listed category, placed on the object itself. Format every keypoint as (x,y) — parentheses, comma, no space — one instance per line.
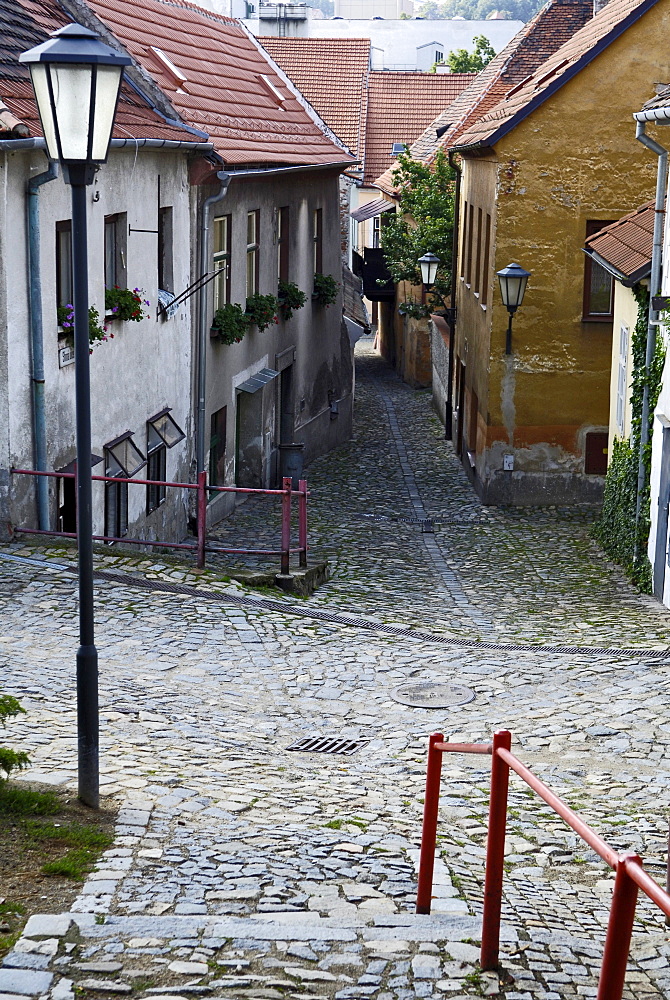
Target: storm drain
(432,694)
(321,744)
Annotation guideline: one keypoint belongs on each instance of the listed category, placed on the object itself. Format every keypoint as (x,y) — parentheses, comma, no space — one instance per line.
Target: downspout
(37,342)
(224,179)
(656,263)
(451,316)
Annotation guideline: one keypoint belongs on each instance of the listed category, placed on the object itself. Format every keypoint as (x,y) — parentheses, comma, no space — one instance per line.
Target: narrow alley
(243,868)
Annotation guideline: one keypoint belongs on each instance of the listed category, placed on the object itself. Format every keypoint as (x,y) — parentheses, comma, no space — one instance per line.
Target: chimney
(598,5)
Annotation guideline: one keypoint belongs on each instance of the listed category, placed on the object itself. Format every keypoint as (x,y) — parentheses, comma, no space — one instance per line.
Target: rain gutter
(37,342)
(21,145)
(653,321)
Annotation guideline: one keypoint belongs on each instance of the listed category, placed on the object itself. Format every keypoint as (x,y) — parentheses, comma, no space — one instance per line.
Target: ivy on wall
(615,528)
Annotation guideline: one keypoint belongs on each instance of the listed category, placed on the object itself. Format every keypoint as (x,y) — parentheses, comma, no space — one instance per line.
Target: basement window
(126,455)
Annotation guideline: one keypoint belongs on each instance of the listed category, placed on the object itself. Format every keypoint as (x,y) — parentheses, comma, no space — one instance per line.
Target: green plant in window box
(97,330)
(290,299)
(125,304)
(230,323)
(325,289)
(262,310)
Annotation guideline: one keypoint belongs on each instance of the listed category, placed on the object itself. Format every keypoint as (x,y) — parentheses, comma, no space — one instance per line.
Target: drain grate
(323,744)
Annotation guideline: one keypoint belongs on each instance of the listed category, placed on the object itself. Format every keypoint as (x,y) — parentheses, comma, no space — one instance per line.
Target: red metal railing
(201,546)
(630,875)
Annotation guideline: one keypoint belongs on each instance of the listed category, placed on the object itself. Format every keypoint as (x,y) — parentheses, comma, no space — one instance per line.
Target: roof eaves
(571,71)
(653,114)
(627,280)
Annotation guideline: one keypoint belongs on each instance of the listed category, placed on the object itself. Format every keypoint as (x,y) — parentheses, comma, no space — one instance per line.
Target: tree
(462,61)
(10,760)
(478,10)
(424,223)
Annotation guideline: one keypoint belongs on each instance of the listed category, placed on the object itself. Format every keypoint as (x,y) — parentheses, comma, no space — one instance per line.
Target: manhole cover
(432,694)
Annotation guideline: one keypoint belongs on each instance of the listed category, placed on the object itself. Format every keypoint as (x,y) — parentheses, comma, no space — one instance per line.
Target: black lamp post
(429,264)
(76,79)
(513,280)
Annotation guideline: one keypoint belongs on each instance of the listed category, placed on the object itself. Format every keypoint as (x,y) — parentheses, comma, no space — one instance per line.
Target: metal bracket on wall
(194,287)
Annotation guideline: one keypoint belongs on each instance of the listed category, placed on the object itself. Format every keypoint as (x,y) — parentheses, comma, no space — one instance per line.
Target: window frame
(283,237)
(317,239)
(588,316)
(165,249)
(218,424)
(114,250)
(253,252)
(486,263)
(221,259)
(622,379)
(116,498)
(64,243)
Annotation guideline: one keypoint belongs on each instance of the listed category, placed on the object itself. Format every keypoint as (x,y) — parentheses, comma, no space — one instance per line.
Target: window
(116,498)
(115,251)
(598,285)
(165,275)
(282,243)
(162,433)
(222,227)
(439,56)
(468,256)
(63,263)
(478,251)
(217,449)
(376,231)
(485,261)
(464,239)
(317,239)
(622,380)
(253,226)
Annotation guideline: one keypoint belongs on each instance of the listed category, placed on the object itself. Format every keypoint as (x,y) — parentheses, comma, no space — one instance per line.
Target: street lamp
(513,280)
(429,264)
(76,79)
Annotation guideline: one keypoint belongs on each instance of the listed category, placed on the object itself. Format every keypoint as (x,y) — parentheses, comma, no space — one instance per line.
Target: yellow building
(541,170)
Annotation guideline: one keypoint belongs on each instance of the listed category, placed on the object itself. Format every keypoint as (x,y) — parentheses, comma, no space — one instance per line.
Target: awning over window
(258,380)
(371,209)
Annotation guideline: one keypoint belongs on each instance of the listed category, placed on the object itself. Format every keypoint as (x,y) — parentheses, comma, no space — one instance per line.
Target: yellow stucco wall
(574,159)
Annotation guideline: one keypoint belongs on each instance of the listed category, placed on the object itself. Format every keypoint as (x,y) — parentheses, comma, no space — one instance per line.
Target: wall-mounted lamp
(513,280)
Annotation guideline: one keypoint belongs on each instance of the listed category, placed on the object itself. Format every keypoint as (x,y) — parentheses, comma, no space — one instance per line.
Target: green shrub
(325,289)
(11,760)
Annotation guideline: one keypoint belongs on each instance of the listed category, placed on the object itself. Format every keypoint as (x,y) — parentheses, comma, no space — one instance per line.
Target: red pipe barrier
(495,852)
(286,526)
(202,518)
(302,522)
(429,834)
(630,875)
(200,547)
(619,931)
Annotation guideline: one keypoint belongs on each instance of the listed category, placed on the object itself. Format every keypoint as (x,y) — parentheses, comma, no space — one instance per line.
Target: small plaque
(432,694)
(65,356)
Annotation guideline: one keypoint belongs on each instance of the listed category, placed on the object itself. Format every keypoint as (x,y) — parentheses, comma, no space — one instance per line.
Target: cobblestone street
(244,869)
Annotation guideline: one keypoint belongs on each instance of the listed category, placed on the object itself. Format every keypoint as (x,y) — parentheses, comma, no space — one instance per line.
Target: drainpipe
(37,342)
(224,179)
(656,263)
(451,317)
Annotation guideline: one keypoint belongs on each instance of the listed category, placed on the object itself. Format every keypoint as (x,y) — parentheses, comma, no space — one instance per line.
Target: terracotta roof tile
(332,73)
(400,105)
(584,46)
(626,245)
(551,27)
(28,22)
(223,93)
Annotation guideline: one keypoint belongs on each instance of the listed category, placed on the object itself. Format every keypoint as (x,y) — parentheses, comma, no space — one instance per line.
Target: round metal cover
(432,694)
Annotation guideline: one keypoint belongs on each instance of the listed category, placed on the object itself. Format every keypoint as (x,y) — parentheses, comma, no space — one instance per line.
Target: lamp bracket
(77,174)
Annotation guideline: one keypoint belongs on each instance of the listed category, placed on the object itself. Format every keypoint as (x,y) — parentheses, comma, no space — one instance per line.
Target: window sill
(602,320)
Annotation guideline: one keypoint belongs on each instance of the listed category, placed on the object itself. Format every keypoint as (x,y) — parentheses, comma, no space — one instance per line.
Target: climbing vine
(615,528)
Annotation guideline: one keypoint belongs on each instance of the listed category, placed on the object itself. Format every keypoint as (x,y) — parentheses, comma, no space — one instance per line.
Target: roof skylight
(168,64)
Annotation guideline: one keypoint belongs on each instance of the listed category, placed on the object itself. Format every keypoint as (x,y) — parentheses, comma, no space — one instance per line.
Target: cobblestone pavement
(244,869)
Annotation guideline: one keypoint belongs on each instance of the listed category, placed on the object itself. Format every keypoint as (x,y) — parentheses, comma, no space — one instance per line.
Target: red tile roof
(552,26)
(224,82)
(587,43)
(625,246)
(332,73)
(28,22)
(400,105)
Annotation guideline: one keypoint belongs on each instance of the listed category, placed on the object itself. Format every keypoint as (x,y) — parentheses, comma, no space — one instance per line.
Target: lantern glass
(429,264)
(513,280)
